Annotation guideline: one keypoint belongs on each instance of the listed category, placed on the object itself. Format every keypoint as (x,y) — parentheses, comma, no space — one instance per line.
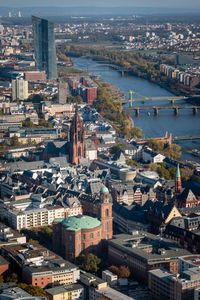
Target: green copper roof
(80,222)
(58,220)
(104,189)
(178,174)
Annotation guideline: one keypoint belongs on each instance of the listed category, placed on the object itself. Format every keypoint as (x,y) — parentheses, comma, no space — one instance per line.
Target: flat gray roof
(64,288)
(139,242)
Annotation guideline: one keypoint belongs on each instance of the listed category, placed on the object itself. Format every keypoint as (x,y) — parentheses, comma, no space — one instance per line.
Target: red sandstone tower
(77,142)
(106,214)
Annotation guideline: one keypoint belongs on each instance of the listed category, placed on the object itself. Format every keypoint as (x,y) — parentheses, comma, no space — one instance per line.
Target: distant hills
(95,11)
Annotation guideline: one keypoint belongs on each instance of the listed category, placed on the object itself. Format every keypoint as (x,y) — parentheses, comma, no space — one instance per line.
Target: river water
(183,124)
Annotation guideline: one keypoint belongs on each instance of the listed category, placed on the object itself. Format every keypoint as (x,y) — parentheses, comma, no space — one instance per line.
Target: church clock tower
(106,214)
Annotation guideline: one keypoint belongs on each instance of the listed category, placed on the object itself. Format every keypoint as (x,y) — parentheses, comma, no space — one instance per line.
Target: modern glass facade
(44,45)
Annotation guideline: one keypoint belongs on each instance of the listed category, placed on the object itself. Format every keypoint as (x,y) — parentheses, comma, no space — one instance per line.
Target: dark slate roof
(160,209)
(187,195)
(119,156)
(3,261)
(148,204)
(186,223)
(133,212)
(57,147)
(187,211)
(94,187)
(28,174)
(31,165)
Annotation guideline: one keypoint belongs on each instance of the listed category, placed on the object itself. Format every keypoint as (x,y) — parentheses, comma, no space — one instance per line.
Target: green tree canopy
(28,124)
(32,290)
(121,272)
(88,262)
(116,148)
(14,141)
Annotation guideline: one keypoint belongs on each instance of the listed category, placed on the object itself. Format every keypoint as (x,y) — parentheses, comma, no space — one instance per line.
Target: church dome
(104,190)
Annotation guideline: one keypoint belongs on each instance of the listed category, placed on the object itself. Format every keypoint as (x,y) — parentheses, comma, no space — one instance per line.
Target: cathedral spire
(77,139)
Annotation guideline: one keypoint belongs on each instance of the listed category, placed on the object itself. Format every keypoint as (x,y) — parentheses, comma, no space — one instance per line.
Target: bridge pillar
(137,112)
(122,73)
(156,111)
(195,111)
(176,111)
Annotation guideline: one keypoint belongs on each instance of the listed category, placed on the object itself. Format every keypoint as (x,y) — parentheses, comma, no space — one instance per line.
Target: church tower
(106,214)
(178,181)
(77,139)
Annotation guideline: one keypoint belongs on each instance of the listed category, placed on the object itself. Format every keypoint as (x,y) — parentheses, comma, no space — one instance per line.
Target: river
(183,124)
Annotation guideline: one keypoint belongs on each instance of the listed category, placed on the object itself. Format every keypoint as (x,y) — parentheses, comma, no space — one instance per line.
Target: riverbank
(132,65)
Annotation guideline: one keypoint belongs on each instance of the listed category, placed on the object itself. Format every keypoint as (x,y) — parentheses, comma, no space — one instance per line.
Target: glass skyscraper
(44,45)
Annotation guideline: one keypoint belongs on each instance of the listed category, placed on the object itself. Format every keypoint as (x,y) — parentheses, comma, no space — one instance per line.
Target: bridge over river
(156,109)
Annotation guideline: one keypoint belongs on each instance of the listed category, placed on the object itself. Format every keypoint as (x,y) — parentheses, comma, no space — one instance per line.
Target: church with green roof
(86,233)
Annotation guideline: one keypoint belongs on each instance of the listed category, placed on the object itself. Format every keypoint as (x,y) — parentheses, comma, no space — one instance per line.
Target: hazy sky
(102,3)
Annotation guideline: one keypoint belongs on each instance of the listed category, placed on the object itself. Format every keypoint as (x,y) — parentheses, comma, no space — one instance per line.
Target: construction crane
(131,93)
(97,128)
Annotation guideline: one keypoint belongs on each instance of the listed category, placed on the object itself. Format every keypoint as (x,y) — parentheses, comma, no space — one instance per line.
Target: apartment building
(35,217)
(39,266)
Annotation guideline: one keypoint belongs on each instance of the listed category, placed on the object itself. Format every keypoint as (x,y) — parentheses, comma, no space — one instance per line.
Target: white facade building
(19,89)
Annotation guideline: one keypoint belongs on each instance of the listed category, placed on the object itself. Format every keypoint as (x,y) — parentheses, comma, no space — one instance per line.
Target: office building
(167,286)
(142,252)
(44,46)
(19,89)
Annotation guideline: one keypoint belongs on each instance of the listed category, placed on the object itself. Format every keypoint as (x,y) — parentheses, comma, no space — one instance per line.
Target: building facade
(62,92)
(19,89)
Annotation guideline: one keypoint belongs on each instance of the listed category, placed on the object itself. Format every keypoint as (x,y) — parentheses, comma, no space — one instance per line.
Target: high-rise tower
(178,181)
(44,45)
(77,140)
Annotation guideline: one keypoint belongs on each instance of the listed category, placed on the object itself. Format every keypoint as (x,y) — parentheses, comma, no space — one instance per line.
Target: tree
(13,277)
(131,162)
(136,132)
(186,173)
(32,290)
(88,262)
(42,235)
(121,272)
(14,141)
(156,145)
(1,279)
(173,151)
(27,124)
(116,148)
(76,99)
(44,123)
(114,270)
(163,171)
(124,272)
(37,98)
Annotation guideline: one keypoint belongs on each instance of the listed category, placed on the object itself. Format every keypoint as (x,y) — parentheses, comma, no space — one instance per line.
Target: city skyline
(103,3)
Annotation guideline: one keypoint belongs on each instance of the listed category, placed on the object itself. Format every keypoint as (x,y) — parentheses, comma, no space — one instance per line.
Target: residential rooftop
(63,289)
